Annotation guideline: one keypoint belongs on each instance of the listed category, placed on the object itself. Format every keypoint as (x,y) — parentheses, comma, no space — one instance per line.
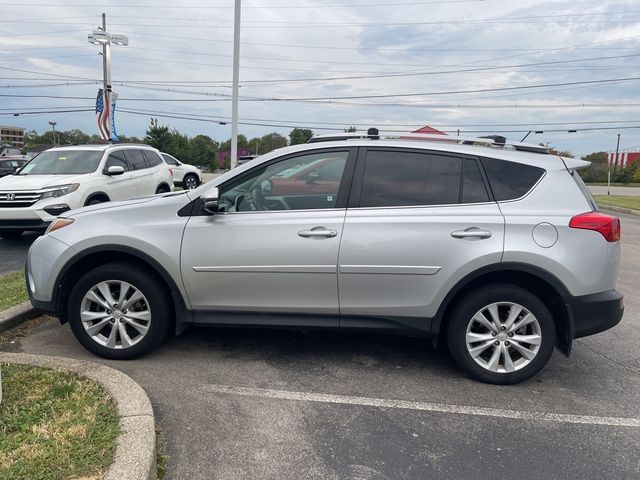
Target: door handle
(472,232)
(316,232)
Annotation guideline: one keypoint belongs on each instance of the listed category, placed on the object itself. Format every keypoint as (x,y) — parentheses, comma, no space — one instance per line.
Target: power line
(421,105)
(249,7)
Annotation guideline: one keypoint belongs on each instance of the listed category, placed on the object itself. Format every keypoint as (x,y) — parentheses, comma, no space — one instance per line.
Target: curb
(14,316)
(630,211)
(135,457)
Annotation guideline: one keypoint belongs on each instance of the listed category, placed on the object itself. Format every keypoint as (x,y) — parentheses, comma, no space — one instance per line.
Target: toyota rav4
(495,250)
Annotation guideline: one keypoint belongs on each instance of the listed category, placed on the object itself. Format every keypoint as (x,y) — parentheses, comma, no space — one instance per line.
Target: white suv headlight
(60,191)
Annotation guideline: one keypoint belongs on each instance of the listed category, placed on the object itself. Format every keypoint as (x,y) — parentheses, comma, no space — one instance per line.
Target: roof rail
(490,141)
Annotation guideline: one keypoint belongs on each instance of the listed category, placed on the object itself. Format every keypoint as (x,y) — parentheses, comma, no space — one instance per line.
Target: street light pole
(53,127)
(236,81)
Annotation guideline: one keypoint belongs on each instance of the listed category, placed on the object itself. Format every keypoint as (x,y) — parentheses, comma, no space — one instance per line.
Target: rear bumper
(591,314)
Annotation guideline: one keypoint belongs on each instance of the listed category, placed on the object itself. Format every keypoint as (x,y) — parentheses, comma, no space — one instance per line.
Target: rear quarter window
(510,180)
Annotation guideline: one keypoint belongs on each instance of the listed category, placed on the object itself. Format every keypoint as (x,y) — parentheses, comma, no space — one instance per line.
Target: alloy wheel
(115,314)
(503,337)
(190,182)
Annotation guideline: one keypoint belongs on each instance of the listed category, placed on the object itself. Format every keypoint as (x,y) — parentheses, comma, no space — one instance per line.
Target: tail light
(171,171)
(607,225)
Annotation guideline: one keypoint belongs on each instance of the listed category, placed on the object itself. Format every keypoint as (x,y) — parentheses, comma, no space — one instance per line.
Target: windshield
(63,162)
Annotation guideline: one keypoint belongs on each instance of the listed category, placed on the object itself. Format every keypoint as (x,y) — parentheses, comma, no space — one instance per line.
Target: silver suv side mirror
(115,170)
(210,199)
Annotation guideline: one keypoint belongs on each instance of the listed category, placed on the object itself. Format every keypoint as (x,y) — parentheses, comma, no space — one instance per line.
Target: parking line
(422,406)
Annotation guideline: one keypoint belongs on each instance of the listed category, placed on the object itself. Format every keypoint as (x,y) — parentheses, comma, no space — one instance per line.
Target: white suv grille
(19,199)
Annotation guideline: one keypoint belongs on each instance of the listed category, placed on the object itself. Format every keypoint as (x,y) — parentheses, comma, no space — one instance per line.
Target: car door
(417,222)
(119,187)
(264,254)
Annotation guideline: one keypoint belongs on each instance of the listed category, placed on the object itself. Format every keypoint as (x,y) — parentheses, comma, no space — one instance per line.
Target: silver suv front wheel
(501,334)
(119,311)
(115,314)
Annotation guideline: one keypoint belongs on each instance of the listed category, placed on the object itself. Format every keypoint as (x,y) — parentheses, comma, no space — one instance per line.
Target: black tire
(11,234)
(142,280)
(185,181)
(481,298)
(162,189)
(93,201)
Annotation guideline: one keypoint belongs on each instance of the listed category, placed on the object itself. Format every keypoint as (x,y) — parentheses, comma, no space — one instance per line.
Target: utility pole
(53,127)
(236,80)
(104,38)
(106,74)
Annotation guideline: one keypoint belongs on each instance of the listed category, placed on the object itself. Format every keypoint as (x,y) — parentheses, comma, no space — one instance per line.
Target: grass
(12,290)
(632,202)
(161,457)
(54,425)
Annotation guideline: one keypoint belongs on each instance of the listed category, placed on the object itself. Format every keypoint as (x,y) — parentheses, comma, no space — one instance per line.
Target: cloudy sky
(479,66)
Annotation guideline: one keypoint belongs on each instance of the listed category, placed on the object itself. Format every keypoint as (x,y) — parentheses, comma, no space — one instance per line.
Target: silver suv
(496,250)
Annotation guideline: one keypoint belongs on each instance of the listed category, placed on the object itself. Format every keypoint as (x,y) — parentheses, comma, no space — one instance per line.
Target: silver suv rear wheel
(501,333)
(503,337)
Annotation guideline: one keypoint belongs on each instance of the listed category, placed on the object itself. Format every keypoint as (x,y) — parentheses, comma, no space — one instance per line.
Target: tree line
(201,150)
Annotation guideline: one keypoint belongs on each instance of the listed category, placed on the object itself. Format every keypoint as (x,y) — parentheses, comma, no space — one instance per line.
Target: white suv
(65,178)
(184,175)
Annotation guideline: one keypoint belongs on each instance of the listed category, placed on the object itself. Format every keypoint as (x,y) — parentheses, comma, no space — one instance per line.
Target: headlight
(59,223)
(60,191)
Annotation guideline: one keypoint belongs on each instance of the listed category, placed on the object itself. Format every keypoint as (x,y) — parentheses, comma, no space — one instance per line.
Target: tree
(242,143)
(271,141)
(202,151)
(597,171)
(350,130)
(300,135)
(159,137)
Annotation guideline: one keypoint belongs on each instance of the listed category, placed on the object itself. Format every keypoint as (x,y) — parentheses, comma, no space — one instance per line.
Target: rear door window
(136,159)
(510,180)
(473,188)
(153,159)
(395,178)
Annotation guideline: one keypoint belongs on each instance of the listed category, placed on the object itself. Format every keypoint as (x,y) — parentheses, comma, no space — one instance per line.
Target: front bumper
(23,224)
(595,313)
(27,218)
(45,260)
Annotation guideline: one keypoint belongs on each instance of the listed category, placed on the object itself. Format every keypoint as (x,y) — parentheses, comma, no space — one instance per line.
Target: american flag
(102,115)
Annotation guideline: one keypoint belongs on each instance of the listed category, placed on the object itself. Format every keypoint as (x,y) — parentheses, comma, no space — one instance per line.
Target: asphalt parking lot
(268,404)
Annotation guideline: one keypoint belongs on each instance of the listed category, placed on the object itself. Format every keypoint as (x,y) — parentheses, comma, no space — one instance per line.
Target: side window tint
(117,159)
(510,180)
(152,158)
(394,178)
(136,158)
(473,187)
(303,182)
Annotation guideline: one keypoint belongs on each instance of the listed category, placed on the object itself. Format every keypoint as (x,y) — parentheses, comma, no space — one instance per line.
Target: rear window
(585,191)
(510,180)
